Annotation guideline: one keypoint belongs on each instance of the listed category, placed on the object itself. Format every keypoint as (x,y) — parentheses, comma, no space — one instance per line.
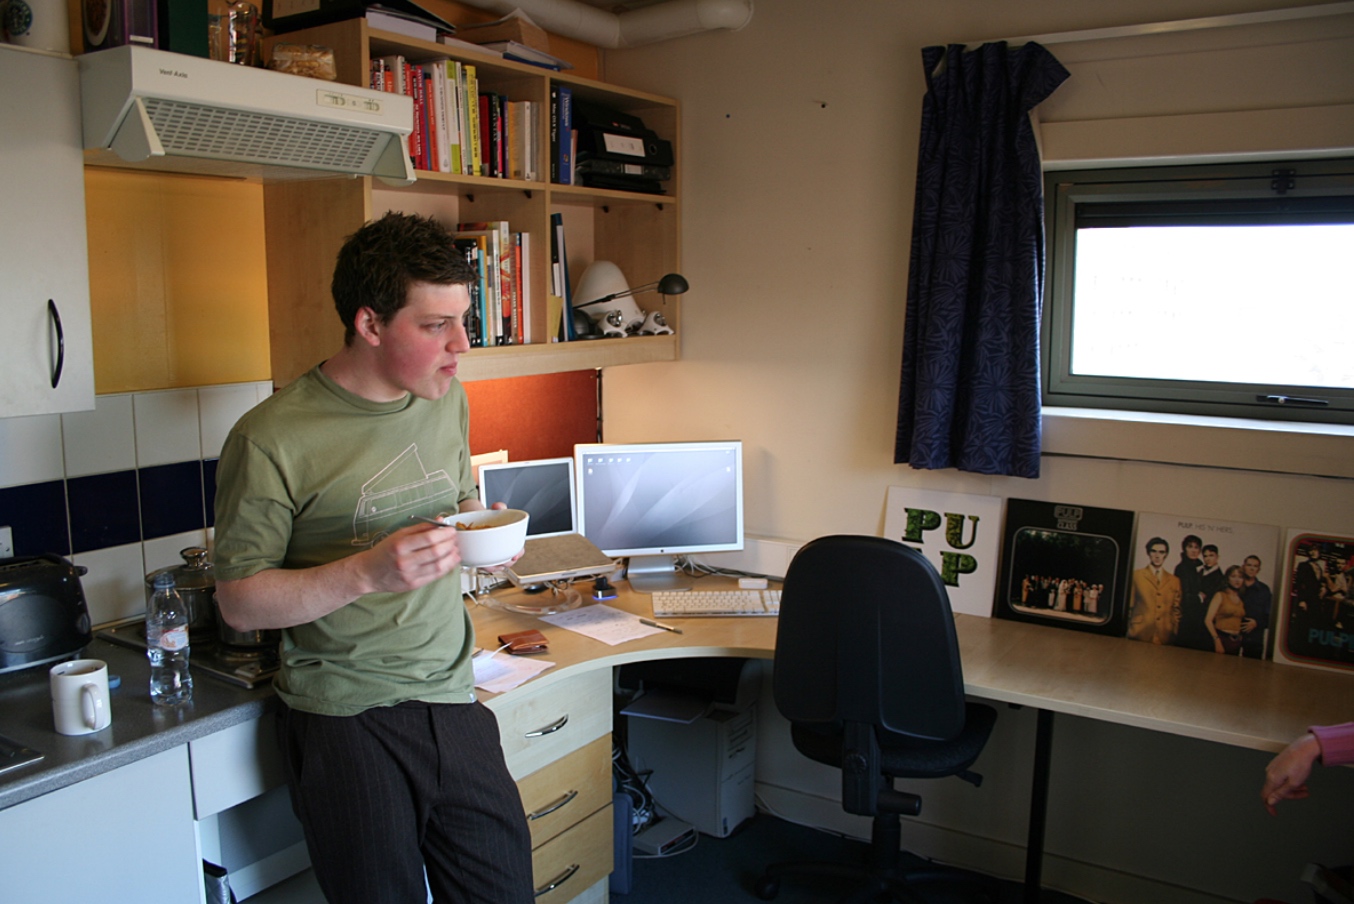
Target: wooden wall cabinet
(307,221)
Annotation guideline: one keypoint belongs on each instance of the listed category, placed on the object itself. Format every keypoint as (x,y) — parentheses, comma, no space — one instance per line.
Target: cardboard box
(509,28)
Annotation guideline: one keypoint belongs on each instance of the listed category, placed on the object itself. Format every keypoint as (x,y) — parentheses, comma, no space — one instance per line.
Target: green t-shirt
(316,473)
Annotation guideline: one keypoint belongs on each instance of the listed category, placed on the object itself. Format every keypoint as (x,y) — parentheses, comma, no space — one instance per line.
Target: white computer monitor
(654,502)
(543,488)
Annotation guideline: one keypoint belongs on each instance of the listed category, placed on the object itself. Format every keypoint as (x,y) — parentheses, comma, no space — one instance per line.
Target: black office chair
(867,671)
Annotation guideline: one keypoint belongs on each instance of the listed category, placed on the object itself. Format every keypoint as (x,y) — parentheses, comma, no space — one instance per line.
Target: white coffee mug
(43,24)
(80,703)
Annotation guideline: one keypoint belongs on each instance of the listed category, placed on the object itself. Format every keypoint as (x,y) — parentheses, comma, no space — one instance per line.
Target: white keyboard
(701,603)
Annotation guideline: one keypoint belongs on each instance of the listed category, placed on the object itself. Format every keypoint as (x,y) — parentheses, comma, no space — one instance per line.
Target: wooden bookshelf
(307,221)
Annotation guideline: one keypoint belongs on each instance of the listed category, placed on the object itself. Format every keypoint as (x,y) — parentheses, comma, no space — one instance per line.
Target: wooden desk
(1224,699)
(1241,702)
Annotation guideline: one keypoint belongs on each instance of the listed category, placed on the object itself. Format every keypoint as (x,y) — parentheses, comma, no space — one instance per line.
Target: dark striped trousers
(394,790)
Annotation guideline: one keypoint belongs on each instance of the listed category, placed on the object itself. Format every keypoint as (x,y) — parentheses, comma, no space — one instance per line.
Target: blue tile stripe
(98,511)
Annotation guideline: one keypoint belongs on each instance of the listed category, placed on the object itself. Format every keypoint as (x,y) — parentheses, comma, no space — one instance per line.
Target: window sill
(1282,447)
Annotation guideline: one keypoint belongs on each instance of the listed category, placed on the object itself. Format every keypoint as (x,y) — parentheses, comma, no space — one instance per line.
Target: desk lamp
(615,312)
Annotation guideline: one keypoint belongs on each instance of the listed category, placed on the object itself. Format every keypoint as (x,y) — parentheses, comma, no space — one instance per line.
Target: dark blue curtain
(969,396)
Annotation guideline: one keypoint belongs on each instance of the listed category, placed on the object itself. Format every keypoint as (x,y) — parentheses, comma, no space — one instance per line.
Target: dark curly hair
(377,264)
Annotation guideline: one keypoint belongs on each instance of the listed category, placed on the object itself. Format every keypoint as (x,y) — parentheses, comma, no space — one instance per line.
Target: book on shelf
(521,53)
(524,294)
(559,257)
(472,248)
(459,45)
(561,134)
(402,23)
(502,284)
(472,106)
(440,115)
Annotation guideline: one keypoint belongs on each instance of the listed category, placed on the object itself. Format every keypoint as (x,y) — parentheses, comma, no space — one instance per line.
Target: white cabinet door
(44,264)
(126,835)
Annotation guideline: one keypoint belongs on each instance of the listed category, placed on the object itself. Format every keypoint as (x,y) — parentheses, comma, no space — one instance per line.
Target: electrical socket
(6,542)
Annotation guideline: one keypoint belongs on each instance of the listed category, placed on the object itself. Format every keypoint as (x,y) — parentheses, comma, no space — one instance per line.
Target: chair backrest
(866,634)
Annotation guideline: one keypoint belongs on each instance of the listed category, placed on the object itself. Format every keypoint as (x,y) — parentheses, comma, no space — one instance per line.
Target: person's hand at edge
(1286,775)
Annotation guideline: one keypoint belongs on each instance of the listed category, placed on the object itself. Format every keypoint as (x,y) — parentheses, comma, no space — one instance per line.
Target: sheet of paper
(499,672)
(605,623)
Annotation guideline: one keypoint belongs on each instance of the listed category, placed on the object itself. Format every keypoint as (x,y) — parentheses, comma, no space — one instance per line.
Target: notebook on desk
(554,550)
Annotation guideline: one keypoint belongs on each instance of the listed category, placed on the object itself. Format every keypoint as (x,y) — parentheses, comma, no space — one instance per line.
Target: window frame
(1211,188)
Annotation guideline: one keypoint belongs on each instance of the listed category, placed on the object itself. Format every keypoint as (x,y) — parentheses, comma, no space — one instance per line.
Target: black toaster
(43,616)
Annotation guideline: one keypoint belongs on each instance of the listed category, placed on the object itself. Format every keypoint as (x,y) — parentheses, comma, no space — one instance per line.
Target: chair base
(882,877)
(870,885)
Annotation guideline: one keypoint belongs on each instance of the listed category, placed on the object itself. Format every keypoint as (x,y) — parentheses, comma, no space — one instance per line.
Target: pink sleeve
(1337,743)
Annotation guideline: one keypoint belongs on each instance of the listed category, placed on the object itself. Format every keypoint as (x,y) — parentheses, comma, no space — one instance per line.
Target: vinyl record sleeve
(1065,565)
(1316,617)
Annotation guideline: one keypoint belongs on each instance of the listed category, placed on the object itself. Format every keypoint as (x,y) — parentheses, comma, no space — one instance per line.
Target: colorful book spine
(563,136)
(472,103)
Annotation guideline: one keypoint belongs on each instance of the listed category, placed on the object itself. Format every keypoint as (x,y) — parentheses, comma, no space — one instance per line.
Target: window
(1220,290)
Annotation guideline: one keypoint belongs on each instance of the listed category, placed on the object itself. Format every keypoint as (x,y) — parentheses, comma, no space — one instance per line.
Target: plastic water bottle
(167,644)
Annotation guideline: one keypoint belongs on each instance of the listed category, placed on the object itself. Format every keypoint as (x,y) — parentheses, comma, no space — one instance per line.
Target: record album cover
(959,533)
(1203,584)
(1316,617)
(1065,565)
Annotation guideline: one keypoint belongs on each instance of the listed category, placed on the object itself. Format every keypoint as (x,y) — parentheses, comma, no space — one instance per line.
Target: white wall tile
(102,440)
(115,585)
(163,552)
(265,389)
(30,450)
(219,408)
(167,427)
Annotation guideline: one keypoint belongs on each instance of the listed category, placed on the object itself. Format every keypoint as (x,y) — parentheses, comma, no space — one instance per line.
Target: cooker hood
(152,109)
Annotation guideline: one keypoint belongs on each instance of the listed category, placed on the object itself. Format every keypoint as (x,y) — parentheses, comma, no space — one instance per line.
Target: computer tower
(701,772)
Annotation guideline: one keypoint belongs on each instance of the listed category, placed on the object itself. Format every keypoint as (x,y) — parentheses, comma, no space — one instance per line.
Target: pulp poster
(1065,565)
(1316,620)
(1203,584)
(958,533)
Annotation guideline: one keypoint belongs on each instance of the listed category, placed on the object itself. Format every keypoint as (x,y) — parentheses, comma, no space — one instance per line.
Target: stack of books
(500,298)
(457,127)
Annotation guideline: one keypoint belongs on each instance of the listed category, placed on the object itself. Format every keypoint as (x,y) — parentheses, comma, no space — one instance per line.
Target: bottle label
(173,639)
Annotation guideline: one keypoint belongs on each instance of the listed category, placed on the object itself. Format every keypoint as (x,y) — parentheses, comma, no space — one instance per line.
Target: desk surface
(1241,702)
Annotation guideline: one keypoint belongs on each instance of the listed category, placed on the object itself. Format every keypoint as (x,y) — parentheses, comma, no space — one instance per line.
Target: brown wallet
(532,641)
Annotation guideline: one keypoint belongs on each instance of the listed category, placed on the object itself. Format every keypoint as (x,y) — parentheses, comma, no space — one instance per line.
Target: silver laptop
(545,489)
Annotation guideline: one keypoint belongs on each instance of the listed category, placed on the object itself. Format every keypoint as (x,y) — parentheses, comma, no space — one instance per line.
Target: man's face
(1252,568)
(1210,558)
(1191,550)
(418,350)
(1156,554)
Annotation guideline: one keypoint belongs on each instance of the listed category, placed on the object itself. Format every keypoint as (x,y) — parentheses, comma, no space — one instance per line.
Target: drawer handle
(557,881)
(549,729)
(553,807)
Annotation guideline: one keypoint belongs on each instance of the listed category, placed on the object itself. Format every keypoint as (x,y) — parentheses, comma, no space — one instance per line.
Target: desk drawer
(563,793)
(540,726)
(569,865)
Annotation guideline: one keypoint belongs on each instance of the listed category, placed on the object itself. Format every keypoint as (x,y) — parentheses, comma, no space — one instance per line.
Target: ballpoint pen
(653,624)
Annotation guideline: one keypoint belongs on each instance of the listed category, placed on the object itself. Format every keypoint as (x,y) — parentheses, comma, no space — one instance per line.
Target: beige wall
(799,152)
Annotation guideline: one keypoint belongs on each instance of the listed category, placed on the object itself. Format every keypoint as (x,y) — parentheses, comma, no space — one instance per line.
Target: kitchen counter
(140,728)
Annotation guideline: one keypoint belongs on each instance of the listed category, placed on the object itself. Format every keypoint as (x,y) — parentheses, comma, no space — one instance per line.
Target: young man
(1193,606)
(392,765)
(1154,613)
(1259,601)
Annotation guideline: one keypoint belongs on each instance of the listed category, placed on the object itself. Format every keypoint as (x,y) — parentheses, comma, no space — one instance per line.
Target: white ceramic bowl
(490,537)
